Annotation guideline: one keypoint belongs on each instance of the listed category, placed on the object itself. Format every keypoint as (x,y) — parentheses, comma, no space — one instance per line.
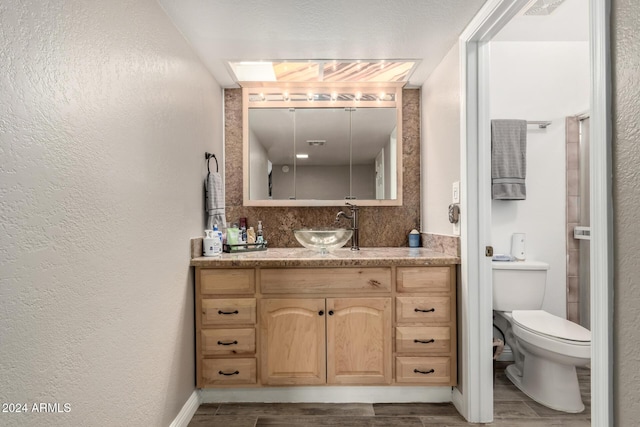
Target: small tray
(245,247)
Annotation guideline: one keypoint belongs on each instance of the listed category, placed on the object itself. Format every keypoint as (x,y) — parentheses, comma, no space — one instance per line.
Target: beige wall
(379,226)
(441,143)
(625,32)
(105,116)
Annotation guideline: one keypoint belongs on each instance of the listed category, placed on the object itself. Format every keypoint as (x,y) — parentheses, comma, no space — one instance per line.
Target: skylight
(383,71)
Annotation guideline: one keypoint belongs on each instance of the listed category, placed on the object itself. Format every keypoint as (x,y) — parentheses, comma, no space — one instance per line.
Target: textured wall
(625,32)
(379,226)
(105,115)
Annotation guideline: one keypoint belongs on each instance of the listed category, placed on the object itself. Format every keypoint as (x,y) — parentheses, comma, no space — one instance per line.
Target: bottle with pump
(259,234)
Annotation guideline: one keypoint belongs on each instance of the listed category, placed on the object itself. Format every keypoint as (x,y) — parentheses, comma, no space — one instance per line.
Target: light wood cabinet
(292,334)
(225,328)
(368,280)
(359,341)
(325,326)
(317,341)
(425,333)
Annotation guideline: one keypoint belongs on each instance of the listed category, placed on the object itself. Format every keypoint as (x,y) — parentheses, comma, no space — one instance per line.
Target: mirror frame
(251,98)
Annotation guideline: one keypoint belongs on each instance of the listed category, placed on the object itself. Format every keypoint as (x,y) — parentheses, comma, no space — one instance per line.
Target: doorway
(475,399)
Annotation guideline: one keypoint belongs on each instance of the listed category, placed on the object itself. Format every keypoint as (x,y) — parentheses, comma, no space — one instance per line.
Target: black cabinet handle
(228,374)
(430,371)
(418,310)
(321,313)
(424,341)
(330,312)
(227,343)
(228,312)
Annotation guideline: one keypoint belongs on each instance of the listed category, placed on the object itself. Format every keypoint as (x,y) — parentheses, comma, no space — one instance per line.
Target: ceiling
(253,30)
(569,22)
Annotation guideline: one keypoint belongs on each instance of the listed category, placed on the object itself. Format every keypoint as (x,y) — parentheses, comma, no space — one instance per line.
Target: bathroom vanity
(290,316)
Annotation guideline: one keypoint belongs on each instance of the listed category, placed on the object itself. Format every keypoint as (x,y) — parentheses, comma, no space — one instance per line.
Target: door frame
(474,397)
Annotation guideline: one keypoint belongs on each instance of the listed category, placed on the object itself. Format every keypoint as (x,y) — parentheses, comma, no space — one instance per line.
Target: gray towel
(508,159)
(214,203)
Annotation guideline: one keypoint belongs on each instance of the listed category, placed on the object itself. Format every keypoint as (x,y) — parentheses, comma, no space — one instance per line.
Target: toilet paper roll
(518,246)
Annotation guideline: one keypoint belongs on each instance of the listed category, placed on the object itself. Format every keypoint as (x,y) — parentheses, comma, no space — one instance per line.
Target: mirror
(322,156)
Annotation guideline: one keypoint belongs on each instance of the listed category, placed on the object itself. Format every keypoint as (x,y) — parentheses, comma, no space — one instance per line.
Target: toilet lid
(541,322)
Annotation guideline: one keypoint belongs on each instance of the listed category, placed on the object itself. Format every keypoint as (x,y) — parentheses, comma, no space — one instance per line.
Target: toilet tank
(519,285)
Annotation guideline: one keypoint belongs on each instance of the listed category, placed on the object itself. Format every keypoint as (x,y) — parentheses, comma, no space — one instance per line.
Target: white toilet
(546,348)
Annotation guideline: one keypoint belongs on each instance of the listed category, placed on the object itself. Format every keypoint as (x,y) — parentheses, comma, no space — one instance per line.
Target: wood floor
(511,408)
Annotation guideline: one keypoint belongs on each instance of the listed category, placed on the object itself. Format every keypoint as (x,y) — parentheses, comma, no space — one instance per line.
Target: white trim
(330,394)
(601,263)
(188,409)
(475,398)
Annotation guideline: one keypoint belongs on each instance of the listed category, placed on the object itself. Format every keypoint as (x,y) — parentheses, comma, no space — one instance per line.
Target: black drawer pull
(321,313)
(228,312)
(417,341)
(228,374)
(227,343)
(418,310)
(430,371)
(330,312)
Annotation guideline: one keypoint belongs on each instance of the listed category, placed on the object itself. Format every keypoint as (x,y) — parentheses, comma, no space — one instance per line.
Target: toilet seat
(541,329)
(552,327)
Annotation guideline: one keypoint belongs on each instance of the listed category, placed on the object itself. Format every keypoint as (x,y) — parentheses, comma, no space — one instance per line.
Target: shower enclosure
(578,221)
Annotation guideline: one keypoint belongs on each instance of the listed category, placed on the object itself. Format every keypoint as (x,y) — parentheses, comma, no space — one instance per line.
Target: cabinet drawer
(423,309)
(423,279)
(319,280)
(227,281)
(229,371)
(423,370)
(222,342)
(237,311)
(423,339)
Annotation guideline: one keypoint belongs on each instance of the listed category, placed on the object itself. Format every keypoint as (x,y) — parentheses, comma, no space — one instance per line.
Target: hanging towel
(508,159)
(214,201)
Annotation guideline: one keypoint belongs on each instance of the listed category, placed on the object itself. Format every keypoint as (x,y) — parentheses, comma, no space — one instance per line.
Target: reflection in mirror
(314,144)
(322,154)
(270,142)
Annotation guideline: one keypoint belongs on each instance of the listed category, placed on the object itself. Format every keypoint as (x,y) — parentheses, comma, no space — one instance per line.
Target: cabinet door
(292,341)
(359,341)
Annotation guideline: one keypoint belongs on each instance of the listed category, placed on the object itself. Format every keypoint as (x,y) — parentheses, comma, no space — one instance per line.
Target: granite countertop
(343,257)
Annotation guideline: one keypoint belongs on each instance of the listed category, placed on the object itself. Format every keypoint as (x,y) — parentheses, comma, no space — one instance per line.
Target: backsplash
(379,226)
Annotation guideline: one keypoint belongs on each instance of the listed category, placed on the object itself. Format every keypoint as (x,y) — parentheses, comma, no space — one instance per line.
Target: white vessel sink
(322,240)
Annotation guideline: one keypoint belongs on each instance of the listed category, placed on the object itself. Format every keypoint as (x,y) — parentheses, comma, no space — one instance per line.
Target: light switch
(455,192)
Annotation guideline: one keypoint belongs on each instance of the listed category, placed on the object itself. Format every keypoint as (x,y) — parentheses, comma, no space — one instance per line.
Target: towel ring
(208,156)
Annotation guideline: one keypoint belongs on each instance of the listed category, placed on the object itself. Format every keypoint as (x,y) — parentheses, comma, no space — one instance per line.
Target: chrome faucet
(355,243)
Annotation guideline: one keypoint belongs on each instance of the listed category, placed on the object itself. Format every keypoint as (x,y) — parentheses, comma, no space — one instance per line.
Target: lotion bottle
(259,235)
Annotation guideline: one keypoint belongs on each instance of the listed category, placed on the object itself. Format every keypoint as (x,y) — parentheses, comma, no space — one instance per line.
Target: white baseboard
(340,394)
(186,413)
(459,403)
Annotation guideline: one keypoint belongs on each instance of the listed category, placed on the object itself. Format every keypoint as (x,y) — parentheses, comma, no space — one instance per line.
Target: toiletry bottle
(217,240)
(414,239)
(242,238)
(259,235)
(251,235)
(208,243)
(232,236)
